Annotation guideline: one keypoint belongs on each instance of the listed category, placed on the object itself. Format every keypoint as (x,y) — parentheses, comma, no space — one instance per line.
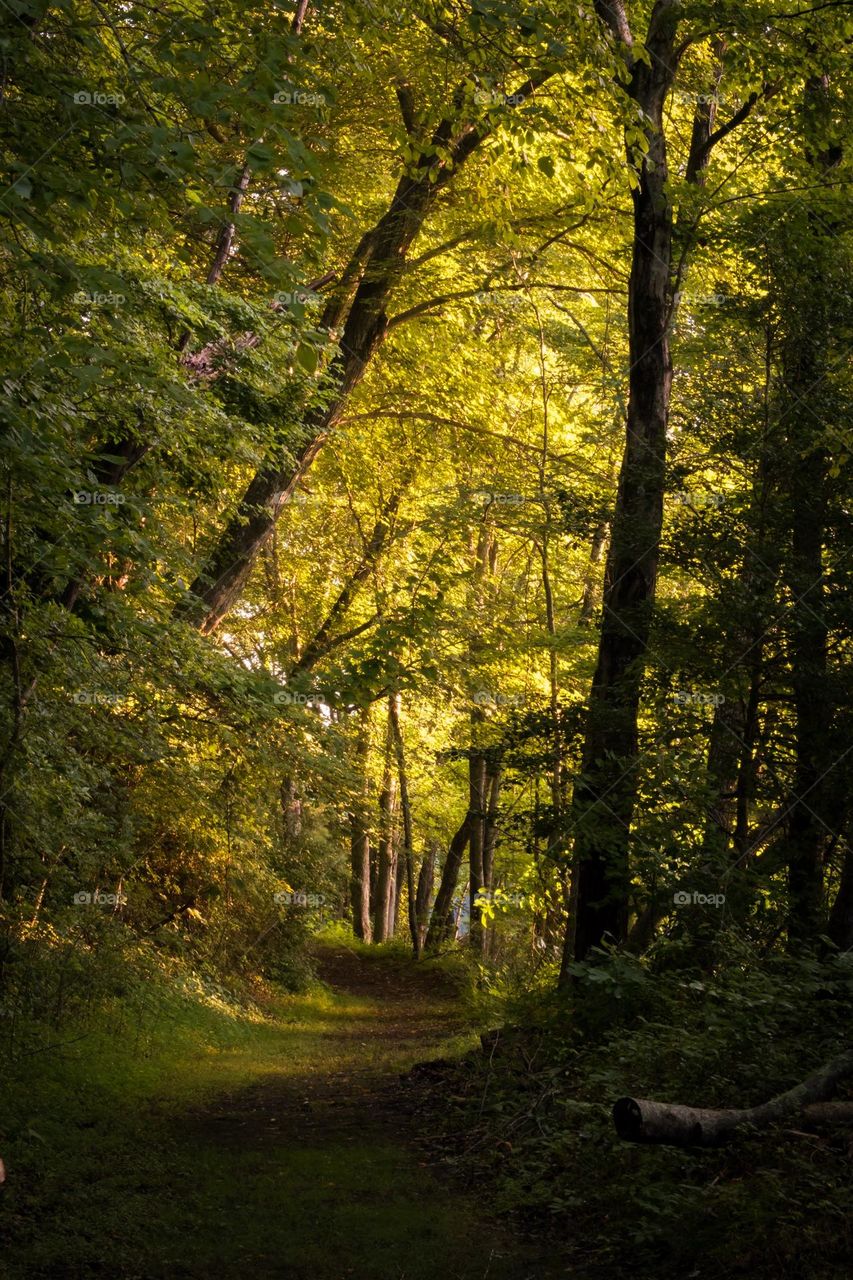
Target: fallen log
(643,1120)
(829,1113)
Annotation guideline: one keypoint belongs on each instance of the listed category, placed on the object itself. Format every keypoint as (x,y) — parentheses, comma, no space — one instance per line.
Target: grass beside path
(235,1147)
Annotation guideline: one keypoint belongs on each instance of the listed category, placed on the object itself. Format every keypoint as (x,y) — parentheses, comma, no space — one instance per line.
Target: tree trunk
(360,837)
(605,794)
(477,812)
(841,915)
(490,840)
(426,880)
(356,312)
(590,586)
(386,868)
(807,828)
(811,323)
(356,323)
(397,890)
(490,834)
(408,836)
(225,238)
(441,921)
(291,807)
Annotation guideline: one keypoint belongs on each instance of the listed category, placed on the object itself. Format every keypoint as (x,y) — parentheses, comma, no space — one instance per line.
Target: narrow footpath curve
(328,1183)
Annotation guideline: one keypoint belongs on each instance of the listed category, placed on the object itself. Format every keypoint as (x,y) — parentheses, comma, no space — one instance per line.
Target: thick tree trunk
(377,265)
(357,307)
(812,328)
(605,793)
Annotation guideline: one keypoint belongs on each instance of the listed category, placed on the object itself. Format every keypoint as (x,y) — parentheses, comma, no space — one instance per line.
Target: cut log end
(641,1120)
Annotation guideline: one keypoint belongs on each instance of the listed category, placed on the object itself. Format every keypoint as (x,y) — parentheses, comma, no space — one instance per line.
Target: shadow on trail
(324,1178)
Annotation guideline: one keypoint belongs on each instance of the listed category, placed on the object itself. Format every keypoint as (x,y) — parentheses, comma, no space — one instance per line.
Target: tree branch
(422,307)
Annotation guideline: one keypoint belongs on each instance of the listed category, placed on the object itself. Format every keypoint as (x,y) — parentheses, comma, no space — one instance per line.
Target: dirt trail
(408,1014)
(362,1201)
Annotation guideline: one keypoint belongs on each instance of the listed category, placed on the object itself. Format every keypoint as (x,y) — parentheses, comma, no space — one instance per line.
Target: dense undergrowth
(93,1038)
(534,1108)
(105,1047)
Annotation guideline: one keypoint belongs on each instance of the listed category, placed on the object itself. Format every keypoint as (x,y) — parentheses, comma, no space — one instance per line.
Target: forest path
(325,1180)
(391,1014)
(218,1145)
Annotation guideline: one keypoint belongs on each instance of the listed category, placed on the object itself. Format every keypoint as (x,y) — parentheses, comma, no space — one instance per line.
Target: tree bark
(477,812)
(641,1120)
(397,892)
(291,808)
(441,921)
(804,367)
(360,838)
(490,833)
(426,880)
(408,834)
(841,915)
(605,793)
(590,586)
(386,868)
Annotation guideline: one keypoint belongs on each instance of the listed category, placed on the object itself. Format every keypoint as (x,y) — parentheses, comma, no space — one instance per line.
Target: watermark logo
(699,299)
(299,98)
(682,898)
(286,699)
(494,98)
(502,499)
(83,97)
(498,898)
(698,99)
(698,698)
(493,698)
(85,899)
(92,698)
(97,498)
(698,501)
(84,299)
(499,297)
(295,297)
(289,898)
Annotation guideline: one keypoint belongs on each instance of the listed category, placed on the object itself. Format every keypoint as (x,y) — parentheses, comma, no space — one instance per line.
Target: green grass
(114,1169)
